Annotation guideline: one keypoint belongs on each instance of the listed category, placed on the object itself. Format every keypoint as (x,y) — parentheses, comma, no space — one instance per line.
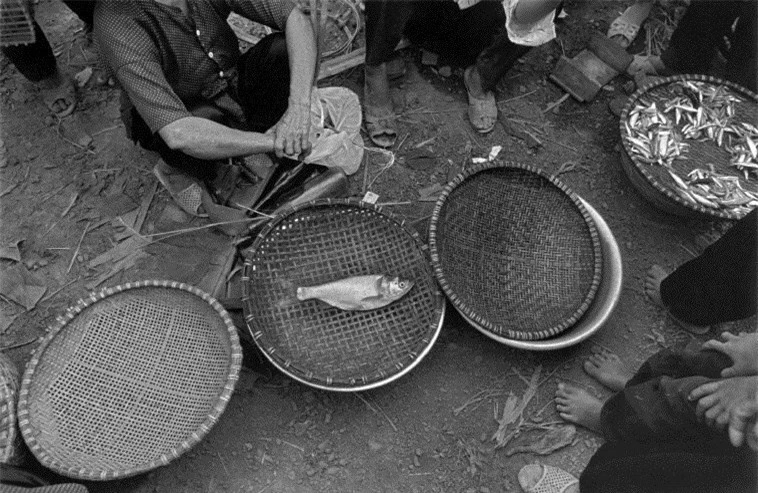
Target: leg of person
(741,59)
(674,467)
(37,63)
(719,285)
(654,400)
(385,23)
(699,34)
(264,82)
(84,9)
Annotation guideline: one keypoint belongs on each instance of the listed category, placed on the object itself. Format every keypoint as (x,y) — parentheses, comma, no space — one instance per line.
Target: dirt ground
(65,182)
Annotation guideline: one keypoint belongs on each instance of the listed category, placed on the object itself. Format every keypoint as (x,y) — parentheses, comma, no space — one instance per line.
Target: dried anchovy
(716,191)
(706,113)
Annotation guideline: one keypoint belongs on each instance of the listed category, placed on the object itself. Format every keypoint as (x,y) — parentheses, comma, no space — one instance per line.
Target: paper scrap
(10,251)
(20,285)
(554,439)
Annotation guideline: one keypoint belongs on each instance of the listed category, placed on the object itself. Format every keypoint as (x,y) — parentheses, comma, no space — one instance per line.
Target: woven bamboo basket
(11,448)
(653,182)
(16,23)
(323,346)
(515,251)
(128,379)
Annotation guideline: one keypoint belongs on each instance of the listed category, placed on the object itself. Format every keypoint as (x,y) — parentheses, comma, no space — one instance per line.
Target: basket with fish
(690,146)
(340,295)
(515,251)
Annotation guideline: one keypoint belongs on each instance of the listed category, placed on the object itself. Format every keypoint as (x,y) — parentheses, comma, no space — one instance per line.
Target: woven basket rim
(461,305)
(644,169)
(71,313)
(355,384)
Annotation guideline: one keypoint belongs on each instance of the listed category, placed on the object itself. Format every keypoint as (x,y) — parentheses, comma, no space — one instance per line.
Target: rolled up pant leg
(720,284)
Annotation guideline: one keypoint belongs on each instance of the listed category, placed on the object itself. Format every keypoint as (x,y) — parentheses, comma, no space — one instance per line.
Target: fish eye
(401,284)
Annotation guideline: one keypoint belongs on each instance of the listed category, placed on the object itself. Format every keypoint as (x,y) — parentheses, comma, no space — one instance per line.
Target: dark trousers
(462,37)
(700,34)
(261,88)
(654,442)
(720,284)
(36,61)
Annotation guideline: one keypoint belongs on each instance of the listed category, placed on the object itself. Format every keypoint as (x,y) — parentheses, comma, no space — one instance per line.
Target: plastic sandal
(63,96)
(380,128)
(624,29)
(482,112)
(536,478)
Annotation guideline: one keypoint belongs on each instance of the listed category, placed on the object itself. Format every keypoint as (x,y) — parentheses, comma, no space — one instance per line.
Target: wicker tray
(323,346)
(128,380)
(11,451)
(515,251)
(16,23)
(653,181)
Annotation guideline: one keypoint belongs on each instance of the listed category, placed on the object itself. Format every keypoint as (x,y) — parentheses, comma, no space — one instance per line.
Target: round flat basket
(689,146)
(128,380)
(11,450)
(515,251)
(324,346)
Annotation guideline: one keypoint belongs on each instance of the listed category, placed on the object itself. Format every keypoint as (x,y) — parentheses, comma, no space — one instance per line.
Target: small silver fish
(359,292)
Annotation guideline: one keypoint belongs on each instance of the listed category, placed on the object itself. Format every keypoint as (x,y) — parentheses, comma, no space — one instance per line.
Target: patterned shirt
(166,60)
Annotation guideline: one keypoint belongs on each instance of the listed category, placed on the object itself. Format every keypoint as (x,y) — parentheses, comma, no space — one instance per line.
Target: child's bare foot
(655,275)
(608,369)
(578,406)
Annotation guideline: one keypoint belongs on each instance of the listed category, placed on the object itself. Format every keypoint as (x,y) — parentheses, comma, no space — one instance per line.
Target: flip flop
(186,191)
(536,478)
(61,100)
(482,112)
(380,127)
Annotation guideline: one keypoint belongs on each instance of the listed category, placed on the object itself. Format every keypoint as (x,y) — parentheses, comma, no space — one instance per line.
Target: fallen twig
(556,103)
(114,127)
(49,296)
(9,189)
(377,410)
(516,97)
(477,399)
(20,344)
(561,144)
(70,205)
(78,246)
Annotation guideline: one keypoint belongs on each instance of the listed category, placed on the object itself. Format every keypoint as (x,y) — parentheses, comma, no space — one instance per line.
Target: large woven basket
(515,251)
(654,182)
(16,23)
(11,448)
(323,346)
(128,380)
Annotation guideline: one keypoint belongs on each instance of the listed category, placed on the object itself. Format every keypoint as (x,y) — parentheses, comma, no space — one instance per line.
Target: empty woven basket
(515,251)
(128,380)
(318,344)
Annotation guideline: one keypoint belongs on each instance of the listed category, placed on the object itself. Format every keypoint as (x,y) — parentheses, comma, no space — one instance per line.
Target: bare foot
(608,369)
(578,406)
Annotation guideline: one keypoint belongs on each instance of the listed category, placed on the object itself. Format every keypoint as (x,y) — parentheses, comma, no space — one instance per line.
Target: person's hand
(292,131)
(742,348)
(743,425)
(718,400)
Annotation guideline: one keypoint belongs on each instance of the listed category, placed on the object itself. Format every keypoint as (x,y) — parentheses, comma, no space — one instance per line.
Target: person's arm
(206,139)
(293,129)
(531,11)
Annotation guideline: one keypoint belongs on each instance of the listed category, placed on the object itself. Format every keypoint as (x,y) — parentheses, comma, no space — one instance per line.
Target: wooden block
(609,52)
(594,68)
(573,80)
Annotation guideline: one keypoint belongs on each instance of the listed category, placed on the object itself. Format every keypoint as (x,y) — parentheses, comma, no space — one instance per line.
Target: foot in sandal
(625,27)
(655,276)
(538,478)
(608,369)
(482,106)
(59,94)
(379,117)
(578,406)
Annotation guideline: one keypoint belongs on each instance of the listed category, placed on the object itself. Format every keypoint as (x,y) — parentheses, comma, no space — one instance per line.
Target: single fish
(359,292)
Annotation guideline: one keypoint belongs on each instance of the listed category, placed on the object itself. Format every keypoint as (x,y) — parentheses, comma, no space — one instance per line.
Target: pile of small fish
(716,191)
(656,132)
